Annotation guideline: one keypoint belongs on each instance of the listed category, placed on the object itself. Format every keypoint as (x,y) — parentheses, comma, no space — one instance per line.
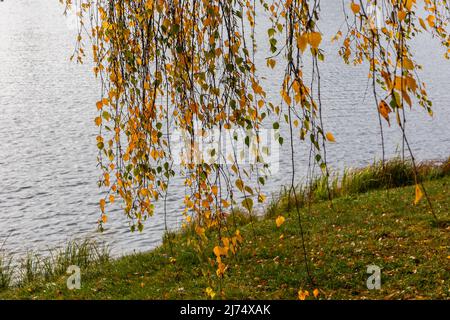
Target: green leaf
(248,204)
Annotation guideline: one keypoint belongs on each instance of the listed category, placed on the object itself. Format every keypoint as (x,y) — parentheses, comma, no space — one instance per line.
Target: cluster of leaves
(173,64)
(380,32)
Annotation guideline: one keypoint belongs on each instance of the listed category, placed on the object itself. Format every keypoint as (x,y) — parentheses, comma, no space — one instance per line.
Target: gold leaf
(355,7)
(330,137)
(314,39)
(302,42)
(384,110)
(279,221)
(419,194)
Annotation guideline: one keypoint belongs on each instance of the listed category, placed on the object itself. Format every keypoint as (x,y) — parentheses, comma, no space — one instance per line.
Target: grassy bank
(364,226)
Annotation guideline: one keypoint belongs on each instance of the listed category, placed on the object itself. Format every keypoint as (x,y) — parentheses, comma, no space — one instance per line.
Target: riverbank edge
(175,256)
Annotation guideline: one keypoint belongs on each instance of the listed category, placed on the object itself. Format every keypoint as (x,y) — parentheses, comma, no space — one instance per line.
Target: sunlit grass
(393,173)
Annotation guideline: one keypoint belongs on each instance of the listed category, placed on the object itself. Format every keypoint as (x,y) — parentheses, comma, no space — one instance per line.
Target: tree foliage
(171,64)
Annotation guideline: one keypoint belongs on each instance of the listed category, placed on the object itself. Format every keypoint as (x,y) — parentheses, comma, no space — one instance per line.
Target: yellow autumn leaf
(431,20)
(220,251)
(355,7)
(330,137)
(384,110)
(419,194)
(210,293)
(279,221)
(401,15)
(104,218)
(271,63)
(302,295)
(261,198)
(214,190)
(408,64)
(302,42)
(102,204)
(286,97)
(200,231)
(411,83)
(314,39)
(99,105)
(316,293)
(154,154)
(149,4)
(154,136)
(422,23)
(409,4)
(221,269)
(98,121)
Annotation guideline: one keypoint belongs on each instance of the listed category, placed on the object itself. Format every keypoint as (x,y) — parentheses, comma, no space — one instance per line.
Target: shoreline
(155,264)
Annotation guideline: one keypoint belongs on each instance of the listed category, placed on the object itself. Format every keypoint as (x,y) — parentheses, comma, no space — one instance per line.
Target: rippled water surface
(48,173)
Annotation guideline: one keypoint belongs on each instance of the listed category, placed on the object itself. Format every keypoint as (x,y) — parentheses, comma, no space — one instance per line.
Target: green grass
(6,272)
(392,174)
(34,268)
(380,227)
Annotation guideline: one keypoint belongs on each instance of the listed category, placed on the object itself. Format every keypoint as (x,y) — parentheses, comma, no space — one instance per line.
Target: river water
(48,173)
